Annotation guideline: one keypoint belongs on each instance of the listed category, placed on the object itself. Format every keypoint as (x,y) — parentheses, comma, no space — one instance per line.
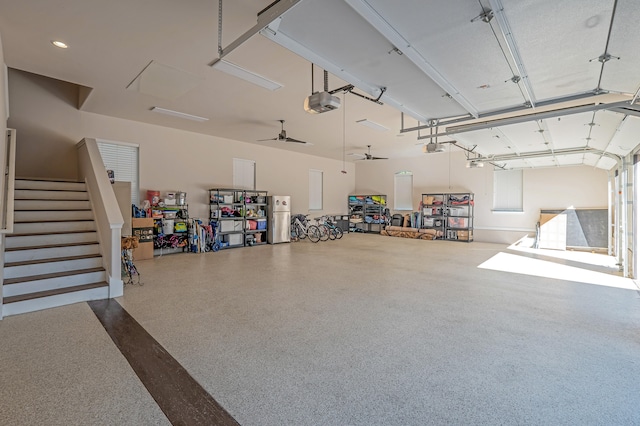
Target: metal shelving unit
(451,214)
(367,213)
(434,213)
(239,215)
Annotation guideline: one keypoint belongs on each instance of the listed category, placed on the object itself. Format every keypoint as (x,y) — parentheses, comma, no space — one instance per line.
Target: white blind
(315,189)
(244,174)
(403,191)
(507,190)
(123,160)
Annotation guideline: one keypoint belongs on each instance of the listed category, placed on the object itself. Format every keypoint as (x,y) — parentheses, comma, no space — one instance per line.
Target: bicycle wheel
(324,232)
(314,233)
(338,232)
(299,232)
(332,232)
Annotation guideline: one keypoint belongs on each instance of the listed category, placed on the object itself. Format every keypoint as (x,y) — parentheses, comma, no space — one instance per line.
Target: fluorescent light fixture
(372,125)
(60,44)
(178,114)
(250,76)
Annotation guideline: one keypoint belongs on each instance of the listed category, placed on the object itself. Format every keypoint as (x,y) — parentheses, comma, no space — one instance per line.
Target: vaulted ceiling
(518,83)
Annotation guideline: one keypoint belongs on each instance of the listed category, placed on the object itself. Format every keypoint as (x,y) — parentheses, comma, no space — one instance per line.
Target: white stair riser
(45,240)
(50,185)
(48,215)
(50,253)
(51,205)
(29,194)
(55,301)
(27,287)
(45,227)
(51,267)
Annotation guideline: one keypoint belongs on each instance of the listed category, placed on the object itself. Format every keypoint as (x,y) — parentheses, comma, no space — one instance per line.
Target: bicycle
(325,232)
(300,228)
(333,231)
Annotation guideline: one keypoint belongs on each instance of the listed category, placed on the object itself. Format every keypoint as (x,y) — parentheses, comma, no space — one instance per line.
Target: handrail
(108,217)
(8,184)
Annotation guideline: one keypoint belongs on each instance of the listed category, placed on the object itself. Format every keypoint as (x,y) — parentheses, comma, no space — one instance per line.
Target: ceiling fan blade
(263,140)
(377,158)
(297,141)
(361,156)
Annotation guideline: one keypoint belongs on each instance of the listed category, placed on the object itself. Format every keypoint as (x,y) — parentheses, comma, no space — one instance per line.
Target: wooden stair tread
(53,259)
(50,233)
(81,243)
(10,281)
(53,220)
(64,290)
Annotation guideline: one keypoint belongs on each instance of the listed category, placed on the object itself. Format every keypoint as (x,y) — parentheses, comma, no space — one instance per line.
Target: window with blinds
(123,160)
(244,174)
(507,190)
(315,189)
(403,191)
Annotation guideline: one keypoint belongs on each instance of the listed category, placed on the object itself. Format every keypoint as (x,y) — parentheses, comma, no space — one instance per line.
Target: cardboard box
(144,251)
(143,229)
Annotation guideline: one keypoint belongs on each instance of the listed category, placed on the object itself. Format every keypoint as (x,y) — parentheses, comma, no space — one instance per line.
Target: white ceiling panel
(515,164)
(487,142)
(542,162)
(606,163)
(570,160)
(622,74)
(557,39)
(449,29)
(526,137)
(569,131)
(606,124)
(627,137)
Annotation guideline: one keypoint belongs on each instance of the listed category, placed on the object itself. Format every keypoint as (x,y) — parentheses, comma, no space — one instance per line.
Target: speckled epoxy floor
(373,330)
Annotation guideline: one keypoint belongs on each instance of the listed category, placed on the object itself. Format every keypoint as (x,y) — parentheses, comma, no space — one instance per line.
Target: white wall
(546,188)
(49,125)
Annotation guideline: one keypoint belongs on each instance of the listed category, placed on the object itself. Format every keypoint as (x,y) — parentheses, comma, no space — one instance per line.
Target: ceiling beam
(265,17)
(443,122)
(454,130)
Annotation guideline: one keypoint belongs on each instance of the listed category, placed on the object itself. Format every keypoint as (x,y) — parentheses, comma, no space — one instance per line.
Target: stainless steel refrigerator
(279,215)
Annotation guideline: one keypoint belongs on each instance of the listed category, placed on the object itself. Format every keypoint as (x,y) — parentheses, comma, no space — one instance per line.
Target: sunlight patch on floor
(541,268)
(596,259)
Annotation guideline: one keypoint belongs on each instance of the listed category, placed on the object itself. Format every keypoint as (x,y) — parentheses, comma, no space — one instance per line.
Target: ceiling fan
(282,137)
(367,155)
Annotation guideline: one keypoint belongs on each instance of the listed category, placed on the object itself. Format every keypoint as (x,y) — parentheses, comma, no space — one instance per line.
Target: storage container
(167,226)
(230,225)
(228,199)
(170,214)
(458,222)
(233,239)
(262,224)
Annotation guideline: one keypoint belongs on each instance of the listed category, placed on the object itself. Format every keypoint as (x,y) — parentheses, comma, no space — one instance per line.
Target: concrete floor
(368,330)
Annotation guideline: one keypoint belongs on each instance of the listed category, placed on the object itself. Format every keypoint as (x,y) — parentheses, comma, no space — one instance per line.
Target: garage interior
(368,329)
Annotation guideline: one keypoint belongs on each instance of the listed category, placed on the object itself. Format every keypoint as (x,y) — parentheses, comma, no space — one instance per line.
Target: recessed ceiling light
(60,44)
(178,114)
(372,125)
(250,76)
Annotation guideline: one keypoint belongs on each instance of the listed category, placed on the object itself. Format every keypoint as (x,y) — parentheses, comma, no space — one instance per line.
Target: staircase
(53,257)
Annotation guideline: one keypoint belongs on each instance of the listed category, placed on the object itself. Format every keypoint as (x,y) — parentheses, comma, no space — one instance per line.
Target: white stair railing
(108,217)
(8,183)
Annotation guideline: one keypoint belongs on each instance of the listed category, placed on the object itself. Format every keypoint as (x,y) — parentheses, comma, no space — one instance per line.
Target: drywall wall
(545,188)
(49,126)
